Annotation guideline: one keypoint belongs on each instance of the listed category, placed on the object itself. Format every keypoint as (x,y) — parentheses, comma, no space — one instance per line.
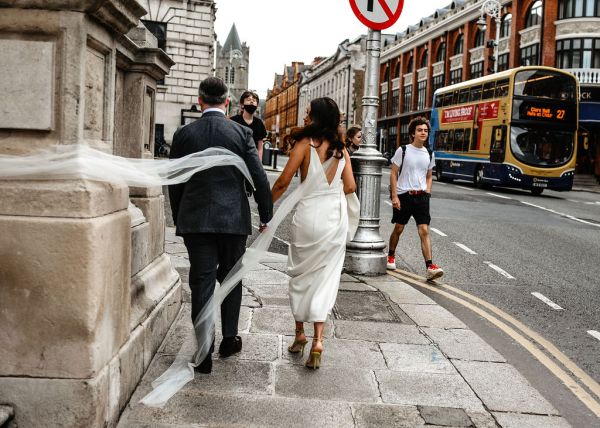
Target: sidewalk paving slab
(423,368)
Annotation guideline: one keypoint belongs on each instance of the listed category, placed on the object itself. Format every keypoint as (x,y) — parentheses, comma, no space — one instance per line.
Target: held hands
(263,227)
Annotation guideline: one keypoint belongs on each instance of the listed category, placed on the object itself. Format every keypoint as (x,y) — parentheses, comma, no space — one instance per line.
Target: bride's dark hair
(325,121)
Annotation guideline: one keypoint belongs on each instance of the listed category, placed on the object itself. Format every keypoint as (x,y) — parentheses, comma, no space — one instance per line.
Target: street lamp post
(364,255)
(493,8)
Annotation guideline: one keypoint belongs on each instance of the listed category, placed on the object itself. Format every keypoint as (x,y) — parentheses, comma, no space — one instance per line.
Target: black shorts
(416,206)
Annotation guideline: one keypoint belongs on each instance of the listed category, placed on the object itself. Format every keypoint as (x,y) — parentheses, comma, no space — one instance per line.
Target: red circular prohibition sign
(392,15)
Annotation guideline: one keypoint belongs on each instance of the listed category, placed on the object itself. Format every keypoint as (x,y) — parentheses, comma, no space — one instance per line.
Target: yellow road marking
(585,397)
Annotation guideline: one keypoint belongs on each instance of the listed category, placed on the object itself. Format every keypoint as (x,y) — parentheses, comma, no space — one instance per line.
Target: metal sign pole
(364,255)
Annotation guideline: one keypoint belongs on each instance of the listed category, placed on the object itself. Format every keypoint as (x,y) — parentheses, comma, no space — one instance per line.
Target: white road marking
(439,182)
(439,232)
(500,270)
(275,237)
(560,214)
(592,203)
(498,196)
(547,301)
(466,188)
(389,203)
(464,247)
(594,333)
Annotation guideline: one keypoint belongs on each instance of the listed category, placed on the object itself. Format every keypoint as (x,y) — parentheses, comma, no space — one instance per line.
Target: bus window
(454,99)
(476,93)
(502,88)
(468,140)
(545,84)
(463,96)
(440,140)
(488,90)
(445,99)
(450,140)
(458,140)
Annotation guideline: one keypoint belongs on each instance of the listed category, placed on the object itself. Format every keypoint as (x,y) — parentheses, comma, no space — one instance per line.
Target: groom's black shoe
(230,346)
(206,364)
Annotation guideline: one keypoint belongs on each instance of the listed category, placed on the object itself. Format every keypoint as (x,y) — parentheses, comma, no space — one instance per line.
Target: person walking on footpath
(353,139)
(249,103)
(211,211)
(321,225)
(411,179)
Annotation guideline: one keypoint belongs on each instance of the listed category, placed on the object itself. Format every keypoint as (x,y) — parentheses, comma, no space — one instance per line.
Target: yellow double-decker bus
(516,128)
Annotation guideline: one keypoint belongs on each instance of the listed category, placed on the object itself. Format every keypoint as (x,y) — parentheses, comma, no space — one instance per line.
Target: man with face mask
(249,103)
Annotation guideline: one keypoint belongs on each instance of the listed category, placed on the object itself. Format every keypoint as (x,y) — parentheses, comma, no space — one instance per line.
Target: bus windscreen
(545,84)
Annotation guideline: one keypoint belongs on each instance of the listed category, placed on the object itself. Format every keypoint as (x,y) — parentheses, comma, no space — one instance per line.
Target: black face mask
(250,108)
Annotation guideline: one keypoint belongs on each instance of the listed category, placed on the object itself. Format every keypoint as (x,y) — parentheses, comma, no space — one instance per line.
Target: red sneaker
(391,262)
(434,271)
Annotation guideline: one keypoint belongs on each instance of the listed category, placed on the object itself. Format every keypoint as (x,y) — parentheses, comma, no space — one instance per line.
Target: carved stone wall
(86,291)
(578,26)
(530,35)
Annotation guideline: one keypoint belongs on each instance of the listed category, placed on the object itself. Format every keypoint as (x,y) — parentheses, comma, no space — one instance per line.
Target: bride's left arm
(348,176)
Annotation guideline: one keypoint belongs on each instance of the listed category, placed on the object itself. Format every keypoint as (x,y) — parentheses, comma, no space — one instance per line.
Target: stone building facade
(232,61)
(185,31)
(339,77)
(87,292)
(448,47)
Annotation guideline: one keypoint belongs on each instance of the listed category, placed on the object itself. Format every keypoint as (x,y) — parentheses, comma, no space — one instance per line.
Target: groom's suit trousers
(212,256)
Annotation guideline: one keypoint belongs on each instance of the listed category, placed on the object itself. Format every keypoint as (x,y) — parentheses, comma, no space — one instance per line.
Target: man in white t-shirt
(412,193)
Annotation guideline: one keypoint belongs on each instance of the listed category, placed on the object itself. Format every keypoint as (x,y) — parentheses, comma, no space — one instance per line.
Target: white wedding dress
(318,246)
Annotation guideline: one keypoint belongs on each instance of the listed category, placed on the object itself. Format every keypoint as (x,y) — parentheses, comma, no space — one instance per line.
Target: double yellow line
(544,351)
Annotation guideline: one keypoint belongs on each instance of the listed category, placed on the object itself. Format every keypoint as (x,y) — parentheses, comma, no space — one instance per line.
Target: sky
(281,31)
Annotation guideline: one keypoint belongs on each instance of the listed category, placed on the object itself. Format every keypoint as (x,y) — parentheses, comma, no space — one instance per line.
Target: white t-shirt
(414,172)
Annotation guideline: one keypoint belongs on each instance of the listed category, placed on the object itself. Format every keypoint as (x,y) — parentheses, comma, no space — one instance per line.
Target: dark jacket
(215,200)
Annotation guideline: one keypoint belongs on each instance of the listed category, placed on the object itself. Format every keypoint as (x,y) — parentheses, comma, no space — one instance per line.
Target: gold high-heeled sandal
(314,361)
(298,345)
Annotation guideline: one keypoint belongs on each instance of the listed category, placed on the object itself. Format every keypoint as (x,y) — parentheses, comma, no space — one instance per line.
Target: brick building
(184,30)
(448,47)
(281,106)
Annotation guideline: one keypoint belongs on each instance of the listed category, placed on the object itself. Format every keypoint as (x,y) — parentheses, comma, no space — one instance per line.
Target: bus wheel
(536,191)
(478,178)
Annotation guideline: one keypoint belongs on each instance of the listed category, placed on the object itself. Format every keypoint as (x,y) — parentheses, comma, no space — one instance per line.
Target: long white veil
(82,162)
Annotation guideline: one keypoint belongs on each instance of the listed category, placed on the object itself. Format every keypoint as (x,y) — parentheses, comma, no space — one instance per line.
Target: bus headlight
(568,173)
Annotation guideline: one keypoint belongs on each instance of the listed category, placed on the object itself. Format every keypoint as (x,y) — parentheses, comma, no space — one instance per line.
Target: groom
(211,211)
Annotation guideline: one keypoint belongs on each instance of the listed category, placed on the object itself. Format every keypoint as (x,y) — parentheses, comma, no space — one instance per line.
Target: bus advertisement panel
(515,129)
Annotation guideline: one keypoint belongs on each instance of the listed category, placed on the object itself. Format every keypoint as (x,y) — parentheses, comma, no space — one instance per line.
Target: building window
(578,53)
(505,26)
(421,95)
(397,71)
(383,107)
(477,70)
(229,74)
(395,101)
(408,98)
(158,30)
(392,136)
(530,55)
(479,38)
(386,74)
(459,45)
(437,82)
(424,59)
(404,137)
(441,53)
(534,15)
(578,8)
(409,67)
(503,62)
(456,76)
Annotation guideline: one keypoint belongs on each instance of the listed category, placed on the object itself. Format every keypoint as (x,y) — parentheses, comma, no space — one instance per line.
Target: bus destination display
(545,112)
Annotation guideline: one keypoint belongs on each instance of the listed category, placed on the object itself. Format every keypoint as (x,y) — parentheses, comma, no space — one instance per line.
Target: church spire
(233,41)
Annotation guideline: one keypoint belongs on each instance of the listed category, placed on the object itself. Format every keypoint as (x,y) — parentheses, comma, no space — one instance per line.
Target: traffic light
(491,44)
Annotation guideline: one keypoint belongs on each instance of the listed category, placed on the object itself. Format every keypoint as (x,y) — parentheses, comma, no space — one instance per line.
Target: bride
(320,226)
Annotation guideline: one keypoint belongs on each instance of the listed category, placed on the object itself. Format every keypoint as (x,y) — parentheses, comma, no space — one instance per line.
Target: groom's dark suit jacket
(215,200)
